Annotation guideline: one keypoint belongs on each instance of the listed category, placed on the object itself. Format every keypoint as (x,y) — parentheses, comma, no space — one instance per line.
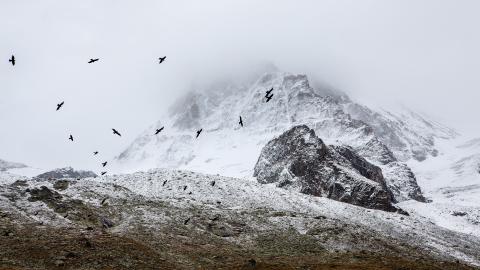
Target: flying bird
(186,221)
(269,97)
(93,60)
(164,182)
(104,164)
(103,173)
(115,132)
(161,59)
(199,131)
(103,201)
(158,130)
(268,92)
(184,187)
(59,105)
(70,138)
(12,60)
(241,122)
(95,153)
(212,183)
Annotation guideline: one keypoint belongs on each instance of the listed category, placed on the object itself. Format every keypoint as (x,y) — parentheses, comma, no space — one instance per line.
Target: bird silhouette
(241,122)
(70,138)
(164,182)
(184,187)
(212,183)
(115,132)
(198,132)
(104,164)
(268,92)
(93,60)
(59,105)
(95,153)
(269,97)
(103,173)
(12,60)
(158,130)
(103,201)
(186,221)
(161,59)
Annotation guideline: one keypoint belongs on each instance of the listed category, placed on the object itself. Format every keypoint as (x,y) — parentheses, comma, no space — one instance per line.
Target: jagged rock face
(402,182)
(298,159)
(68,172)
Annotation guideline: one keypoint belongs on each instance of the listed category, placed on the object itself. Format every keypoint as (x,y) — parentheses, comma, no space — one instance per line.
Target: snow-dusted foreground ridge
(192,220)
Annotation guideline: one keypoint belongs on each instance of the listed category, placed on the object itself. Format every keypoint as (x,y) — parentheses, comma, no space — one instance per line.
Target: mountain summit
(383,138)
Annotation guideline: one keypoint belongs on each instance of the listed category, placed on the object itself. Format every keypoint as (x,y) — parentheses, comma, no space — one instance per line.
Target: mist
(423,54)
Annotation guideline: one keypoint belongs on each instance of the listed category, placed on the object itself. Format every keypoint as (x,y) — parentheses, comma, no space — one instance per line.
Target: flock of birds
(268,97)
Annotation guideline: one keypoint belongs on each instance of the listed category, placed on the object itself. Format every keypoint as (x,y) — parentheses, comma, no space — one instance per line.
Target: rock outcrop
(67,172)
(299,160)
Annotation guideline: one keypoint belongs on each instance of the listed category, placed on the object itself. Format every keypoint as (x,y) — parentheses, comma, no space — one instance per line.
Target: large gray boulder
(299,160)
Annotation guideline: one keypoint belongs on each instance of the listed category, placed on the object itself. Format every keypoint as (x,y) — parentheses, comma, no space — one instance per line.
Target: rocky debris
(67,172)
(61,184)
(45,195)
(299,160)
(458,214)
(73,209)
(106,223)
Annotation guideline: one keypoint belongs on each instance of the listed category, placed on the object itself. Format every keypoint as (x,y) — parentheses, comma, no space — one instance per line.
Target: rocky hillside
(299,160)
(182,220)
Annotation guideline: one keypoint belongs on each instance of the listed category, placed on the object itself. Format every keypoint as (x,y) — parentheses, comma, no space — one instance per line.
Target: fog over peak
(423,54)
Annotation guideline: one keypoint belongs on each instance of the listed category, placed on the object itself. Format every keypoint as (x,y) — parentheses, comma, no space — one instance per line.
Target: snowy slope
(159,199)
(452,182)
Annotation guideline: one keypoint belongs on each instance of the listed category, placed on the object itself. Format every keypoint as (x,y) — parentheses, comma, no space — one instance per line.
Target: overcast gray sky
(422,53)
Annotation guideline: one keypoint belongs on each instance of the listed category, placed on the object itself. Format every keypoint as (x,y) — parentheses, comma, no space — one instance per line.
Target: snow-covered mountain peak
(380,136)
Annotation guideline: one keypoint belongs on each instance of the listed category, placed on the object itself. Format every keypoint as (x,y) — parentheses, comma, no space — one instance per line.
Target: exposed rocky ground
(183,220)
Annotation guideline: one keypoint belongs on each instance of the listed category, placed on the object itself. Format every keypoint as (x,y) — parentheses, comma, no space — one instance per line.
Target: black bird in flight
(104,164)
(70,138)
(103,201)
(103,173)
(115,132)
(158,130)
(95,153)
(241,122)
(164,182)
(268,92)
(93,60)
(161,59)
(199,131)
(12,60)
(184,187)
(269,97)
(186,221)
(212,183)
(59,105)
